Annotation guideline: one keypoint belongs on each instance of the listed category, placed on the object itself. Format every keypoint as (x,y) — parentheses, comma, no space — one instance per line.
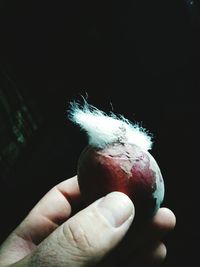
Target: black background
(138,58)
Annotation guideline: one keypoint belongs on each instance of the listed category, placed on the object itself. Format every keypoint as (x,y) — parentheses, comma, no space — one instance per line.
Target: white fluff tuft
(103,129)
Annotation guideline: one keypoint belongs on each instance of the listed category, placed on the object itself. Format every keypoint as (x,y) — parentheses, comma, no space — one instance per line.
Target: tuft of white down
(103,129)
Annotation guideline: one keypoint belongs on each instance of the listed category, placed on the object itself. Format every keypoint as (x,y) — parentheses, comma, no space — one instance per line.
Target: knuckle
(79,238)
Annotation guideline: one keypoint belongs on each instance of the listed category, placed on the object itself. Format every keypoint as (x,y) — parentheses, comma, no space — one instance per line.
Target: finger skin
(140,244)
(156,229)
(56,207)
(52,210)
(87,237)
(152,256)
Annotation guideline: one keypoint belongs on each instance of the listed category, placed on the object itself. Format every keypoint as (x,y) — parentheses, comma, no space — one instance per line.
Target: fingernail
(117,208)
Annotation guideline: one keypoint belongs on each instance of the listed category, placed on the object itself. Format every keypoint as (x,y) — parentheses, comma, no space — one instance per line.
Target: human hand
(57,233)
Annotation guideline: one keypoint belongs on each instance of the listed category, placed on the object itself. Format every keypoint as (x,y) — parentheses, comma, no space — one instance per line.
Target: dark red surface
(118,167)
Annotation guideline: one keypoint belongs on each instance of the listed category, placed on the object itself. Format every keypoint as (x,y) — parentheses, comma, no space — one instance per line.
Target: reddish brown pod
(117,159)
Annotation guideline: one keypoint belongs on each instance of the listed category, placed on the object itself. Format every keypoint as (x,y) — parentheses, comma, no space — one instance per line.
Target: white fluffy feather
(103,129)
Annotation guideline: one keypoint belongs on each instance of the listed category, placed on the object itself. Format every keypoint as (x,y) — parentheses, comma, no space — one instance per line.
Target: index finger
(52,210)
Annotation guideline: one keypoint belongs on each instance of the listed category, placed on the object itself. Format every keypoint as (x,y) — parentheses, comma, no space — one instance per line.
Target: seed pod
(117,159)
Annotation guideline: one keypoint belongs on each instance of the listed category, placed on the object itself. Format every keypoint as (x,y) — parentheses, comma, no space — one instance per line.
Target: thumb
(87,236)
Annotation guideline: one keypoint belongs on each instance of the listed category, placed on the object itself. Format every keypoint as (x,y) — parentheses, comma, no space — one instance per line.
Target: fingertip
(117,208)
(158,253)
(153,255)
(164,219)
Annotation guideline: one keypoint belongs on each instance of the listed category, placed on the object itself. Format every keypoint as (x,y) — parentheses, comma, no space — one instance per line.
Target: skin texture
(59,232)
(125,168)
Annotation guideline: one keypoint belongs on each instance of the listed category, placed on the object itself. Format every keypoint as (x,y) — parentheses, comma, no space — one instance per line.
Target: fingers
(88,236)
(156,229)
(164,221)
(52,210)
(154,255)
(143,245)
(161,224)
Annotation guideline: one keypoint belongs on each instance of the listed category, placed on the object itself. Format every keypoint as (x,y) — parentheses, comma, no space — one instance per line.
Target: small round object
(121,167)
